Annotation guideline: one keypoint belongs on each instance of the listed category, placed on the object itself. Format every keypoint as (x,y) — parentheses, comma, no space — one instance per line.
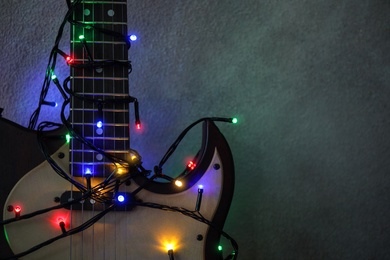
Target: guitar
(109,208)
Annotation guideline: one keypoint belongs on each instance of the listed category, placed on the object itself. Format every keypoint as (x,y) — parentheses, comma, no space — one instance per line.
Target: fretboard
(102,88)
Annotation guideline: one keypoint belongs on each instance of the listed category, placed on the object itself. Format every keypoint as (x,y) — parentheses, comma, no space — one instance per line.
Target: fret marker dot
(99,70)
(87,12)
(99,157)
(110,12)
(99,131)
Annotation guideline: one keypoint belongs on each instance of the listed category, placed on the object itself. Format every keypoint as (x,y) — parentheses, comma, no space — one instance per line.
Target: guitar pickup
(124,201)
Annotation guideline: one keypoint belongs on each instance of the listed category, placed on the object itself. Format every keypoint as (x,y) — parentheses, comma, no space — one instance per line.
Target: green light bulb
(53,76)
(67,138)
(234,120)
(219,248)
(81,37)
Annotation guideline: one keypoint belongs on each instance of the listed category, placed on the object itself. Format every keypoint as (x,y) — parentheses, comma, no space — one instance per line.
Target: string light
(136,114)
(99,124)
(133,37)
(88,175)
(61,223)
(17,210)
(170,251)
(69,60)
(120,198)
(49,103)
(121,170)
(199,198)
(178,183)
(191,165)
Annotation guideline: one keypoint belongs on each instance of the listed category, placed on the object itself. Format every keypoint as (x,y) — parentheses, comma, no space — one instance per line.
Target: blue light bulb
(99,124)
(133,37)
(88,171)
(121,198)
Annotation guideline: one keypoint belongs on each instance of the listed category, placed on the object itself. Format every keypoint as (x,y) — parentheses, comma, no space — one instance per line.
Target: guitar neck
(99,111)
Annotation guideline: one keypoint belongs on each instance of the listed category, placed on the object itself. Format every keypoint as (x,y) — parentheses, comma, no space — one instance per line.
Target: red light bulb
(61,223)
(69,59)
(138,126)
(18,209)
(191,165)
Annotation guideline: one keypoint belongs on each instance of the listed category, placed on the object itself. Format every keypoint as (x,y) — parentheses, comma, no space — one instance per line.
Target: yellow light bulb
(169,247)
(178,183)
(121,170)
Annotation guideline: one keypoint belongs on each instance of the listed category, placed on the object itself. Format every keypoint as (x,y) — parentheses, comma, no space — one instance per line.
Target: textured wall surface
(309,81)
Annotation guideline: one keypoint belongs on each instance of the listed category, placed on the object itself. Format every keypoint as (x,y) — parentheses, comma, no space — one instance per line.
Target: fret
(99,42)
(107,151)
(94,110)
(97,60)
(91,138)
(102,1)
(93,124)
(105,2)
(98,78)
(101,95)
(103,22)
(91,163)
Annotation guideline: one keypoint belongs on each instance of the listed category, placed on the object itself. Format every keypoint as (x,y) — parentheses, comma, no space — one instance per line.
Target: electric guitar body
(89,196)
(137,233)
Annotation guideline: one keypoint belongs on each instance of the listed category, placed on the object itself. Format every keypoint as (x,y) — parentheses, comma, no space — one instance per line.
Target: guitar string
(104,75)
